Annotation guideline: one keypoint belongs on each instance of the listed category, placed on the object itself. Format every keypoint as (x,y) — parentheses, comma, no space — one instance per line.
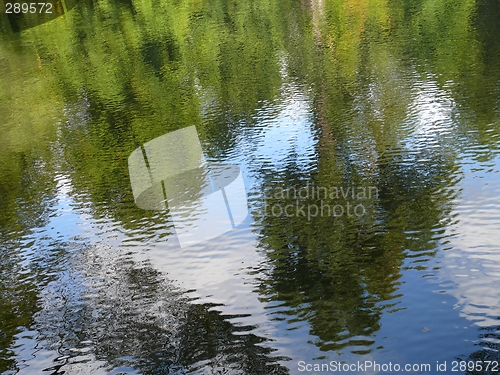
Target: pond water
(358,220)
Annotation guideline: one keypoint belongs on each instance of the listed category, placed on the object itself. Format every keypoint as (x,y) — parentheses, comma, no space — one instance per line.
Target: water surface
(390,97)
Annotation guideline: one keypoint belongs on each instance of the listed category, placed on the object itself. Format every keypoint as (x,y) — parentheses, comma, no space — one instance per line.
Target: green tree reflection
(110,76)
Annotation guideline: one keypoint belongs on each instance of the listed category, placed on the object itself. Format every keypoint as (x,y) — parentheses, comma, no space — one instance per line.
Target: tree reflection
(130,316)
(397,94)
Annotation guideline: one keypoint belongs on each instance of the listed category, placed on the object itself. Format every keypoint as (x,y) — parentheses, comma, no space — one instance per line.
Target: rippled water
(389,108)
